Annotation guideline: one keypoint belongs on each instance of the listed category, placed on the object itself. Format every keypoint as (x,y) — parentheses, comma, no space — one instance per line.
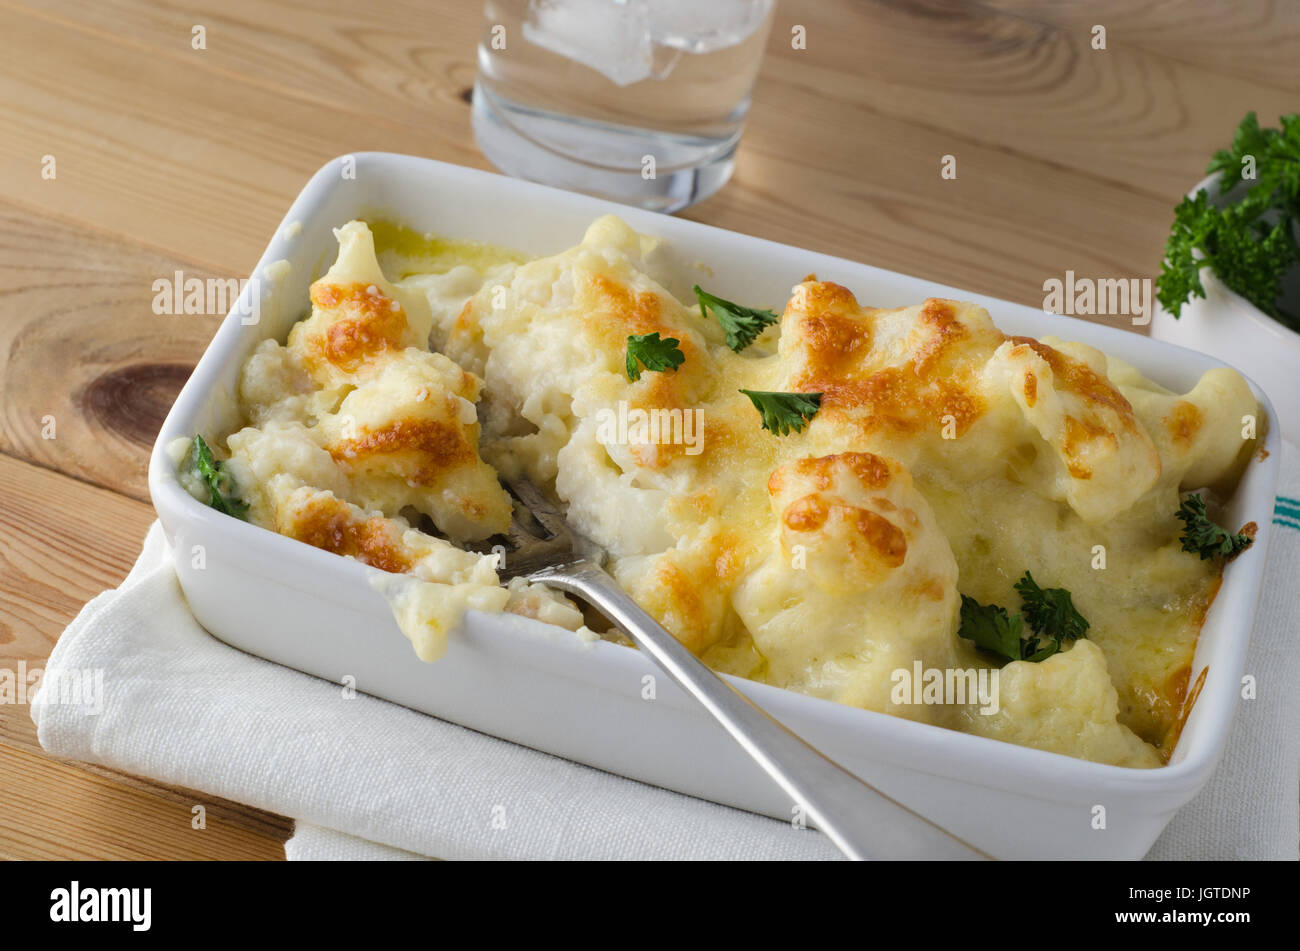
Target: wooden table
(167,157)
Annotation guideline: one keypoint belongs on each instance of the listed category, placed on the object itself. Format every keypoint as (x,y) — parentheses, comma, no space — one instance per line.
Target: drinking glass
(640,101)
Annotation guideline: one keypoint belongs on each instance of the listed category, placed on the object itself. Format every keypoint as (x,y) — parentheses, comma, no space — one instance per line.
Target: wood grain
(1255,40)
(1109,140)
(976,75)
(50,810)
(89,370)
(183,156)
(63,541)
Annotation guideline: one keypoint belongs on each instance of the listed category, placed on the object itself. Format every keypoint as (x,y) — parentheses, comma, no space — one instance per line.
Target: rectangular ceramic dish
(544,687)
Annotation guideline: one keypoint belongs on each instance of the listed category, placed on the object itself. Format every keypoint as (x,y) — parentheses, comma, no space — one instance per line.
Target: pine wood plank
(62,542)
(54,810)
(1255,40)
(131,152)
(177,155)
(1004,74)
(91,369)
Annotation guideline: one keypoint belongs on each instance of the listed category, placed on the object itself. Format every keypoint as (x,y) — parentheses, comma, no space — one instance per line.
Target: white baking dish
(543,687)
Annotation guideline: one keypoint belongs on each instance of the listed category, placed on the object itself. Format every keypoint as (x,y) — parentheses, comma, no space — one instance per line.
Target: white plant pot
(1225,325)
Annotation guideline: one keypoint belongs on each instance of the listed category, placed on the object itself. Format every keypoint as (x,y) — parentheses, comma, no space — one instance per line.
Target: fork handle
(862,821)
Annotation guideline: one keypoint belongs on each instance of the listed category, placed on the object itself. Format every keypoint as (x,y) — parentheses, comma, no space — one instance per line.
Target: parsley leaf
(783,412)
(1180,274)
(220,484)
(1250,243)
(990,628)
(653,354)
(1204,537)
(742,325)
(1049,611)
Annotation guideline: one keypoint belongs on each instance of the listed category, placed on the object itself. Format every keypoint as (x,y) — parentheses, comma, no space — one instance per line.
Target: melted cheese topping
(356,428)
(946,459)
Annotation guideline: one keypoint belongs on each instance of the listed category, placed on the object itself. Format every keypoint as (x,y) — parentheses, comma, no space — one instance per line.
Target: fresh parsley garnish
(742,325)
(1049,613)
(1250,243)
(1204,537)
(219,482)
(991,628)
(783,412)
(652,353)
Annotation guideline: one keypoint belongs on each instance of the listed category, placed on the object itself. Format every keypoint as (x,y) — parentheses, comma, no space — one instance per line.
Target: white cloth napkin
(181,707)
(367,779)
(1250,808)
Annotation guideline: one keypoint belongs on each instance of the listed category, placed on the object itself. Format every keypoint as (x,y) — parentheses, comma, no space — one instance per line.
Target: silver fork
(862,821)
